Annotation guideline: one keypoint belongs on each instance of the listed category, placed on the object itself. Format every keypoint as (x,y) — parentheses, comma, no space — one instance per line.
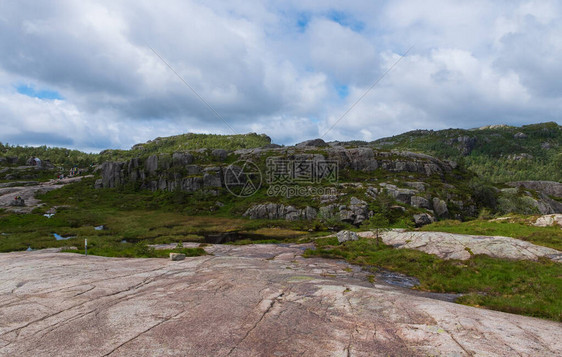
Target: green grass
(128,250)
(522,287)
(516,227)
(154,218)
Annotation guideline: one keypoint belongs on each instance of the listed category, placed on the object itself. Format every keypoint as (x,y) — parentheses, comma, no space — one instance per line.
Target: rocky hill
(497,152)
(366,187)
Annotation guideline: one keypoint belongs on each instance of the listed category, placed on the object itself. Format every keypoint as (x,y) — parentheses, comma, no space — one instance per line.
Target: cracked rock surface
(462,246)
(262,300)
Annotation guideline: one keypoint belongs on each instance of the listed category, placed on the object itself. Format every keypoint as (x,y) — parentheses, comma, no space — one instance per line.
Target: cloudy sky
(83,74)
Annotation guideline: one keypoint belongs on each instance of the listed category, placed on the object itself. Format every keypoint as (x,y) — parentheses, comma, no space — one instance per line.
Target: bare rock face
(547,187)
(463,246)
(182,159)
(280,211)
(261,300)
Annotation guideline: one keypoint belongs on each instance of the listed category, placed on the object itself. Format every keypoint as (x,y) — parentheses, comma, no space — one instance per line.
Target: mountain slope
(498,152)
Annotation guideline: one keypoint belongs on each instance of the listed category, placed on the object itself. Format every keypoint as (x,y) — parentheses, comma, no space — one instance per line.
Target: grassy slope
(185,142)
(489,157)
(69,158)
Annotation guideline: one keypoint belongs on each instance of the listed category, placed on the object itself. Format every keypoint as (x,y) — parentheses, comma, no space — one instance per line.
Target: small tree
(377,222)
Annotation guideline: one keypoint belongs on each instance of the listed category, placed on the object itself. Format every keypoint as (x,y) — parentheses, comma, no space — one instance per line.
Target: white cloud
(473,63)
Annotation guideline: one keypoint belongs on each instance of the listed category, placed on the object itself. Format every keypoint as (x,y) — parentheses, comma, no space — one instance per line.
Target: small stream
(59,237)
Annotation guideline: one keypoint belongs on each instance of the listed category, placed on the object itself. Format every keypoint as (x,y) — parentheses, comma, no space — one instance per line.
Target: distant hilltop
(497,152)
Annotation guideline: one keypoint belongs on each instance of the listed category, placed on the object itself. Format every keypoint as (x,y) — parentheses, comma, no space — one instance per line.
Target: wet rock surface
(255,300)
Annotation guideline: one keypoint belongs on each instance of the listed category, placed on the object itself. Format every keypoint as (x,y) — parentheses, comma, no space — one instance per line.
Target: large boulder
(423,219)
(219,154)
(346,236)
(440,208)
(419,202)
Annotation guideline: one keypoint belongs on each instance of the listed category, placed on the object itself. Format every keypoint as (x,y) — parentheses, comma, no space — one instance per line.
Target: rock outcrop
(463,246)
(163,172)
(550,188)
(280,211)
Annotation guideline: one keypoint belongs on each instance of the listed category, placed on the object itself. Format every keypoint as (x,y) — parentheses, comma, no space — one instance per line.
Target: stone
(177,256)
(520,135)
(346,236)
(219,154)
(549,220)
(419,202)
(440,208)
(423,219)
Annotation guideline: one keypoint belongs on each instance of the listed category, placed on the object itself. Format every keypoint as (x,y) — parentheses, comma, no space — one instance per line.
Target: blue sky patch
(302,21)
(30,91)
(346,20)
(343,91)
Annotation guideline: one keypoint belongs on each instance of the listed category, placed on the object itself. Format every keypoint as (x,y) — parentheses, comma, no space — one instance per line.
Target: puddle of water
(59,237)
(397,279)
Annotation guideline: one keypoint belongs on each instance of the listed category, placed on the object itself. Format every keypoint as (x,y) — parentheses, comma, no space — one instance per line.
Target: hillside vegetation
(67,158)
(499,153)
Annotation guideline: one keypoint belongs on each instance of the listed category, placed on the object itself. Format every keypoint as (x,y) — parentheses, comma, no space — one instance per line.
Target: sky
(93,75)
